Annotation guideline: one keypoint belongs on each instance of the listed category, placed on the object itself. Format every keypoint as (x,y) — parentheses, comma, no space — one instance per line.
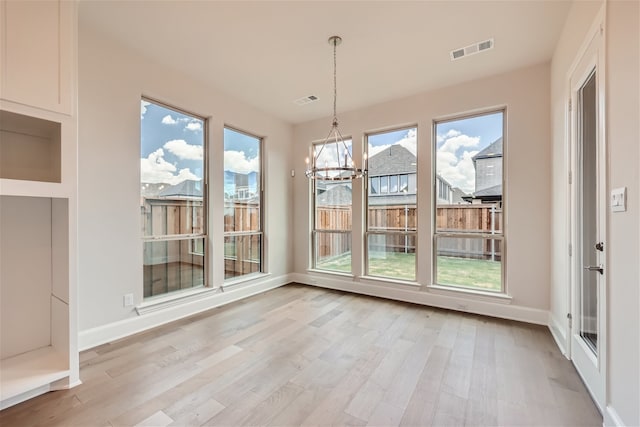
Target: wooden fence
(178,217)
(449,218)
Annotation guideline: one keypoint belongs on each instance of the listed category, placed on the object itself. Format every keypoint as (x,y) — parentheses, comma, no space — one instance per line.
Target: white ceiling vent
(471,49)
(305,100)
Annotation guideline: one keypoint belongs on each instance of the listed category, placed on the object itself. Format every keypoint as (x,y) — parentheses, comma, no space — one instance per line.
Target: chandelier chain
(335,84)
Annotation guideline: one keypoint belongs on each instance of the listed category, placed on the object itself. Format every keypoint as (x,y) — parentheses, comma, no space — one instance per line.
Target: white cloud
(236,161)
(155,169)
(458,172)
(453,144)
(143,108)
(410,142)
(450,134)
(184,151)
(194,126)
(168,120)
(455,159)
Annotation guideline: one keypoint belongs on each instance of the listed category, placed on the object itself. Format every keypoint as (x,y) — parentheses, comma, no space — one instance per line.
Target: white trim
(611,418)
(251,277)
(30,394)
(465,303)
(559,334)
(592,369)
(498,297)
(103,334)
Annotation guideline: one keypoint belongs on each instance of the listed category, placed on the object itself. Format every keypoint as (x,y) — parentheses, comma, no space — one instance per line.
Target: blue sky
(171,145)
(241,152)
(457,142)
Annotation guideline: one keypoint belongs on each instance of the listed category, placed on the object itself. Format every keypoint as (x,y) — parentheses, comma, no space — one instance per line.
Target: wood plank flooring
(300,355)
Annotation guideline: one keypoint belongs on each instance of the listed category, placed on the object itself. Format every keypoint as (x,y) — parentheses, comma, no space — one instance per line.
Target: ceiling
(268,54)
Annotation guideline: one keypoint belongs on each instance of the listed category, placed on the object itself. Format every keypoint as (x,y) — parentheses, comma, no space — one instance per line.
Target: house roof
(392,161)
(496,190)
(185,189)
(492,150)
(337,195)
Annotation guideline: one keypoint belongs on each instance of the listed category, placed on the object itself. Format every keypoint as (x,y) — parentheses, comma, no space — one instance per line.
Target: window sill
(390,280)
(159,303)
(499,297)
(242,279)
(332,273)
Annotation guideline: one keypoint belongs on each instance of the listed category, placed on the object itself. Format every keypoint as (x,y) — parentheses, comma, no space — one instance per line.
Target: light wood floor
(299,355)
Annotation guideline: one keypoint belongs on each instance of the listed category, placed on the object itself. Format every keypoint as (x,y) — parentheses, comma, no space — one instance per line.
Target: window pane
(393,184)
(172,265)
(172,199)
(242,204)
(333,205)
(469,160)
(384,184)
(332,251)
(242,255)
(171,171)
(374,187)
(241,181)
(469,201)
(392,159)
(404,184)
(392,255)
(470,262)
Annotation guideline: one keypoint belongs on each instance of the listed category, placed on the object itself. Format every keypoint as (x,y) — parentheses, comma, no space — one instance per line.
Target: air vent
(471,49)
(305,100)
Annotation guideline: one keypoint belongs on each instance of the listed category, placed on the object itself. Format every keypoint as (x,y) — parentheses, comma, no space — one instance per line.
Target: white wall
(623,140)
(525,93)
(578,22)
(111,82)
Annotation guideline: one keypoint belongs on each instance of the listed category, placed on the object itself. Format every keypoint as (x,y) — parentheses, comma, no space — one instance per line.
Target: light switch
(128,300)
(619,199)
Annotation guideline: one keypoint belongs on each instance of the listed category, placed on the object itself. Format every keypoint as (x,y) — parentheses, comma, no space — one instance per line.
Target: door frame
(591,55)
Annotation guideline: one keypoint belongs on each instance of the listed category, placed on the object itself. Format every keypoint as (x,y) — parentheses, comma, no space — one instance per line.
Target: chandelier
(332,160)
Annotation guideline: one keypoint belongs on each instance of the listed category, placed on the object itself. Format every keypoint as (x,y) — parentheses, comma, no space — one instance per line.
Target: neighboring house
(488,166)
(240,186)
(458,196)
(393,179)
(333,193)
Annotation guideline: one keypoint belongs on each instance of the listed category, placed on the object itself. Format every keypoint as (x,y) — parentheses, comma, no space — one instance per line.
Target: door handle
(597,268)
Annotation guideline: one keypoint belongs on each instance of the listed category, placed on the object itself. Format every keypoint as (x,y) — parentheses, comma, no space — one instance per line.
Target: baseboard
(415,295)
(24,396)
(611,418)
(107,333)
(559,334)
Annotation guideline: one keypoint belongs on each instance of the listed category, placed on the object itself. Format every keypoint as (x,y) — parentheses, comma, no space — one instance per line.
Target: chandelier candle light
(338,167)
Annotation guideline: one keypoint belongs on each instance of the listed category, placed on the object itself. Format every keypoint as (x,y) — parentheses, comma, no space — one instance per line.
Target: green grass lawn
(470,273)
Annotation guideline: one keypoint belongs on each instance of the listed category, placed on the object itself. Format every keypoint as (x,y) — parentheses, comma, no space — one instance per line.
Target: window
(242,204)
(172,199)
(469,234)
(332,217)
(391,215)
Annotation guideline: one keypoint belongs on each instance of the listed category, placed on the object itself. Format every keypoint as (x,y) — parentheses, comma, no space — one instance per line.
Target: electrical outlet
(128,300)
(619,199)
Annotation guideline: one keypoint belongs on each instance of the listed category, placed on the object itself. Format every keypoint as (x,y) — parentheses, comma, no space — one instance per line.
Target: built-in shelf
(32,370)
(38,198)
(34,295)
(30,148)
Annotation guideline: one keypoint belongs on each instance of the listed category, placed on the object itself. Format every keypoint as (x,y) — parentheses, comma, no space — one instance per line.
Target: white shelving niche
(38,338)
(38,199)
